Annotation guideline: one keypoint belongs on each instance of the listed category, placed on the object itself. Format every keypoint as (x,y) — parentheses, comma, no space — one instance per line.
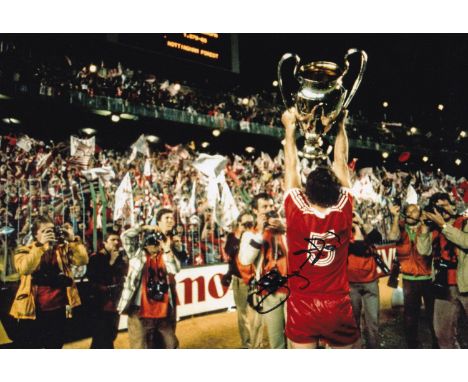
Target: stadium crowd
(39,178)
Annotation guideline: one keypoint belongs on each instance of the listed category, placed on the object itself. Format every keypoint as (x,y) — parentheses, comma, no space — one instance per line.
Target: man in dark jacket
(106,273)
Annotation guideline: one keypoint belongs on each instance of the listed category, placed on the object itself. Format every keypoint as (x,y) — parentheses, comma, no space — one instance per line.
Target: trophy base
(313,152)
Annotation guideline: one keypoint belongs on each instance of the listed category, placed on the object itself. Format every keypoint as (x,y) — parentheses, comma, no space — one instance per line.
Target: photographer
(262,250)
(166,223)
(240,289)
(147,296)
(364,279)
(106,273)
(416,271)
(47,290)
(448,243)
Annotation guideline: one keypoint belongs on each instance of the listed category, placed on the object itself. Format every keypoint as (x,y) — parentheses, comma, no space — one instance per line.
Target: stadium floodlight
(425,158)
(88,131)
(385,104)
(93,68)
(12,120)
(152,138)
(127,116)
(103,113)
(440,107)
(385,155)
(115,118)
(458,161)
(216,132)
(275,83)
(250,149)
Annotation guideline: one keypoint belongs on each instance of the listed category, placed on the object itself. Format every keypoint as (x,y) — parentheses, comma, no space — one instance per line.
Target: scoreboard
(214,49)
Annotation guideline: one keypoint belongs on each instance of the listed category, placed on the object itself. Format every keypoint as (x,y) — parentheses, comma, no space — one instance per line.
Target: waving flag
(81,151)
(123,207)
(140,146)
(219,195)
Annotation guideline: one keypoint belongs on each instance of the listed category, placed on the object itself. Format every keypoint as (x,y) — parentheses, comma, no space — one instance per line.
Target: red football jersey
(311,233)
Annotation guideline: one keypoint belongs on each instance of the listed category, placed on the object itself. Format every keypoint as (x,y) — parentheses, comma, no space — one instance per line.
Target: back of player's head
(323,187)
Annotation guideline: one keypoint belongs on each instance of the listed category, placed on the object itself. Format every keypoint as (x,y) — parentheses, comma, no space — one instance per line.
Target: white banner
(199,290)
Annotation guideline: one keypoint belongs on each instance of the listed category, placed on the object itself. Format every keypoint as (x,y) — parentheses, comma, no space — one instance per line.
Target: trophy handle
(358,80)
(285,57)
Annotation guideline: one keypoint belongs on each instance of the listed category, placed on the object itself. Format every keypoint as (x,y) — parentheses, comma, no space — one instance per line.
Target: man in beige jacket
(47,292)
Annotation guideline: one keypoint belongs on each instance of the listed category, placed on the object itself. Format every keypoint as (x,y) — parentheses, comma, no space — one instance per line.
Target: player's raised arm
(291,170)
(340,155)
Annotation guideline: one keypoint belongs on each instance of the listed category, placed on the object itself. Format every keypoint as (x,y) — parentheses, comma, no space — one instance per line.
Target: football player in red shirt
(319,228)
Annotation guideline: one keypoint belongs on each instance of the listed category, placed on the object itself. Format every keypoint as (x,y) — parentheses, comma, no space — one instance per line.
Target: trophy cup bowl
(321,97)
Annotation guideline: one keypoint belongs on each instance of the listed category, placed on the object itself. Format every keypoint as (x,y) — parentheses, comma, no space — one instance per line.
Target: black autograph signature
(273,280)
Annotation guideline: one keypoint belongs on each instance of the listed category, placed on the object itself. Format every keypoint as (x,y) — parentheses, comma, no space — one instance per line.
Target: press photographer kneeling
(47,292)
(447,239)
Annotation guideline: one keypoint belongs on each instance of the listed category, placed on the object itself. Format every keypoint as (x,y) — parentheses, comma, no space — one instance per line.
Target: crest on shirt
(322,245)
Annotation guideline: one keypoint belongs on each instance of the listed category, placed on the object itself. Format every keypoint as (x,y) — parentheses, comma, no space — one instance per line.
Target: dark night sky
(414,73)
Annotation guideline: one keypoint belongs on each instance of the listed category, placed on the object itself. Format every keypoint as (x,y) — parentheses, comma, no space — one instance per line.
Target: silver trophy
(321,97)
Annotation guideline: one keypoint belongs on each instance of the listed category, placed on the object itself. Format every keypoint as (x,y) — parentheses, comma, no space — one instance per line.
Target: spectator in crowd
(47,291)
(180,252)
(106,272)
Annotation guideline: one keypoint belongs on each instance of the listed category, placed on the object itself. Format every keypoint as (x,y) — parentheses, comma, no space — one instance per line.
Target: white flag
(147,169)
(411,195)
(140,146)
(222,203)
(25,143)
(123,207)
(81,151)
(106,173)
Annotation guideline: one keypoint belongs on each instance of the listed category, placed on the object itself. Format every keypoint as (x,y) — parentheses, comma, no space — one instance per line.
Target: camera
(381,264)
(440,283)
(432,209)
(60,235)
(154,238)
(271,281)
(156,289)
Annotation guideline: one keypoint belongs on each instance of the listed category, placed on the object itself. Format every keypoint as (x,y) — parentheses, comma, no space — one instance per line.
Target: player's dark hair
(323,187)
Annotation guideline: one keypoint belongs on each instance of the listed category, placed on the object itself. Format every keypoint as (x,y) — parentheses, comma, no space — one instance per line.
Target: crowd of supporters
(37,179)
